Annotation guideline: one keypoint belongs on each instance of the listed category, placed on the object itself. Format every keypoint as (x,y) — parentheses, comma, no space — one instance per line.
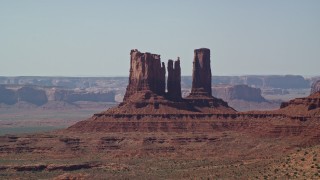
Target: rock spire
(174,80)
(201,75)
(147,73)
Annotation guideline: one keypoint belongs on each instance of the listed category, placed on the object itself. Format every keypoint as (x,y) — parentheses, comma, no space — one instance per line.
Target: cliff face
(201,74)
(315,87)
(25,93)
(40,96)
(146,73)
(32,95)
(73,96)
(242,92)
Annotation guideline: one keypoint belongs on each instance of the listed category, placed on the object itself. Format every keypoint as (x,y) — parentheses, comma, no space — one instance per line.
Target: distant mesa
(44,96)
(241,92)
(243,97)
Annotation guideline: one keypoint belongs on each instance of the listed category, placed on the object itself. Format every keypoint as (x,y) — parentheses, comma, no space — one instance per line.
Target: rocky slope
(303,107)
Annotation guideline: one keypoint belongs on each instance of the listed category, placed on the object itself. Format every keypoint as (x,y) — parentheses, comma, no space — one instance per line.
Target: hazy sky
(94,38)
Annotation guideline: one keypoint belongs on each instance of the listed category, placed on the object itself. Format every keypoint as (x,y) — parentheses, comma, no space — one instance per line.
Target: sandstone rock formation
(146,101)
(243,97)
(315,87)
(147,73)
(146,110)
(302,107)
(145,92)
(174,80)
(241,91)
(201,74)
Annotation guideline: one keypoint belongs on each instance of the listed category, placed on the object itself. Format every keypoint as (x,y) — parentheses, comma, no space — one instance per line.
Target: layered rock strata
(306,106)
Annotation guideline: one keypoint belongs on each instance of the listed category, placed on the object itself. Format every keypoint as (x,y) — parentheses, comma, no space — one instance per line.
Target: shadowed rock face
(201,75)
(7,96)
(32,95)
(315,87)
(146,73)
(174,80)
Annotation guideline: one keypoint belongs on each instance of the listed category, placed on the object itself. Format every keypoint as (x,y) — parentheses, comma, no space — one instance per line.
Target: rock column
(174,80)
(201,75)
(147,73)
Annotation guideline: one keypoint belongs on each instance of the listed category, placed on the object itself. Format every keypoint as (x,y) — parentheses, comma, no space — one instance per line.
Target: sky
(94,38)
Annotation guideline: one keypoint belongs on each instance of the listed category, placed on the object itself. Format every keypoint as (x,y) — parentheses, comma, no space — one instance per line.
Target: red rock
(306,106)
(241,91)
(174,80)
(201,75)
(146,102)
(146,73)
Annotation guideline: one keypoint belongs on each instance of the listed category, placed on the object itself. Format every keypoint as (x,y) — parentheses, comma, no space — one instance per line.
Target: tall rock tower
(174,80)
(201,75)
(147,73)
